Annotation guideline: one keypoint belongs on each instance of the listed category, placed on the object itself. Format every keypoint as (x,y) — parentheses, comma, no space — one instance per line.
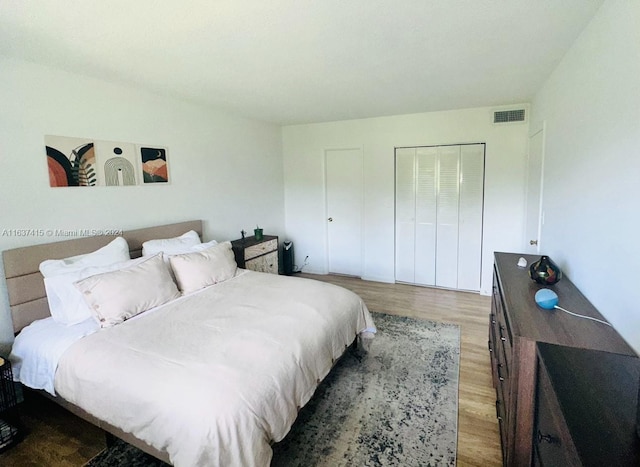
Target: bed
(213,376)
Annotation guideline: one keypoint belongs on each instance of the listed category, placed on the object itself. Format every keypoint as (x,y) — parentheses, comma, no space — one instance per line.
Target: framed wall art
(85,162)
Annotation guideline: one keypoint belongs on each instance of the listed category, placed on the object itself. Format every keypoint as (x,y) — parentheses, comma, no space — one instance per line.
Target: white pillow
(200,247)
(171,246)
(187,249)
(114,252)
(193,271)
(116,296)
(66,303)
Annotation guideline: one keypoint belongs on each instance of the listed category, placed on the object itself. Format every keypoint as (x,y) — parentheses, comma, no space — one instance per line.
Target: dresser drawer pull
(547,438)
(503,339)
(489,345)
(498,410)
(500,377)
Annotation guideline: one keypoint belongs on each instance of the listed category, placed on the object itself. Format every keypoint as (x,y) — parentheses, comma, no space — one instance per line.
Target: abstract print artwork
(71,161)
(85,162)
(117,163)
(154,165)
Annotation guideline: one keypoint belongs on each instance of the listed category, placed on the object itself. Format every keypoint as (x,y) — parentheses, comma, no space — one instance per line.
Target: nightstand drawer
(257,255)
(265,263)
(260,249)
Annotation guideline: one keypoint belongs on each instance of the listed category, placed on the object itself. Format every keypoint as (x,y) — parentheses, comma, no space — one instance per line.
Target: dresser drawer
(501,344)
(264,263)
(260,249)
(504,348)
(492,356)
(552,440)
(501,414)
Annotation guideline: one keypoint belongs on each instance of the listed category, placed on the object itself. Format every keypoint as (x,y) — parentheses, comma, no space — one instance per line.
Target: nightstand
(257,255)
(10,427)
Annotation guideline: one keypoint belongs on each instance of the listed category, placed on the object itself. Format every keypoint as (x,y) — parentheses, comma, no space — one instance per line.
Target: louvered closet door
(405,214)
(426,216)
(439,203)
(470,216)
(447,211)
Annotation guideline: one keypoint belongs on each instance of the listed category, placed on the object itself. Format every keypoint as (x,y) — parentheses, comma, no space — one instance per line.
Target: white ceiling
(300,61)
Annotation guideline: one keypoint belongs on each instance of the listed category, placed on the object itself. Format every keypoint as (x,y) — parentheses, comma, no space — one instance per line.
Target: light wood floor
(478,438)
(58,439)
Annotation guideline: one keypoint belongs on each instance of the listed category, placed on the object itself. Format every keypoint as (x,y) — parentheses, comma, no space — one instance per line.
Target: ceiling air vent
(508,116)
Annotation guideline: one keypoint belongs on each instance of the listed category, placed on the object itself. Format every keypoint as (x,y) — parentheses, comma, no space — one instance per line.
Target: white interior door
(344,191)
(533,219)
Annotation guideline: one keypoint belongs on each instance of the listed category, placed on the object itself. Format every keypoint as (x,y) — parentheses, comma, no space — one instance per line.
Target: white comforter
(216,377)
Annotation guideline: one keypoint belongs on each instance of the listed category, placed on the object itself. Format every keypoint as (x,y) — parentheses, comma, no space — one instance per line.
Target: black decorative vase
(545,272)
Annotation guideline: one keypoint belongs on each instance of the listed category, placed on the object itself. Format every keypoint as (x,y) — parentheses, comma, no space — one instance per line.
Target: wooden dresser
(257,255)
(519,337)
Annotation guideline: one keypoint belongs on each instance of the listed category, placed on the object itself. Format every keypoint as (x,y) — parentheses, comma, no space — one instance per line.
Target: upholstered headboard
(25,284)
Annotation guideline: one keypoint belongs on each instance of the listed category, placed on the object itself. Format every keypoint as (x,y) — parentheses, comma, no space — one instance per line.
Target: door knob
(533,242)
(330,219)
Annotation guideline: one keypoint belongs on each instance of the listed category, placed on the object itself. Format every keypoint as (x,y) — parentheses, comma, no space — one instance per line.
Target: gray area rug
(395,405)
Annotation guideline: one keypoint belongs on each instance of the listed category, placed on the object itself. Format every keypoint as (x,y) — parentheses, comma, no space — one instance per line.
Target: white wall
(591,106)
(224,170)
(304,146)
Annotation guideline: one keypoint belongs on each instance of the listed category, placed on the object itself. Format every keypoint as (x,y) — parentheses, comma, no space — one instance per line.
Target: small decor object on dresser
(10,428)
(545,272)
(257,254)
(258,233)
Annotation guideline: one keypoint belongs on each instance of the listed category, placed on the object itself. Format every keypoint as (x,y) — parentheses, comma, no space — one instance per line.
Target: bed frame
(28,301)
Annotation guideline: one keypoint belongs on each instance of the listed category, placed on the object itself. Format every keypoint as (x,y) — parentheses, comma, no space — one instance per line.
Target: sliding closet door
(470,216)
(439,204)
(447,212)
(405,214)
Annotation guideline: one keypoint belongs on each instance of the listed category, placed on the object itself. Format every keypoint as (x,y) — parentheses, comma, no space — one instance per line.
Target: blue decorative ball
(546,298)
